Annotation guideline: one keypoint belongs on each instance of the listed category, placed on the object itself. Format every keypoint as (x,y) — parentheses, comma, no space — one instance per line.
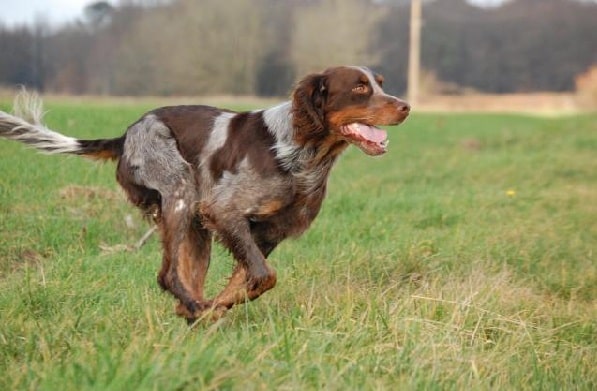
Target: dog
(248,179)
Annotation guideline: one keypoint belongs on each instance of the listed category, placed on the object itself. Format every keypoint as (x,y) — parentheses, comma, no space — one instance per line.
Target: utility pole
(414,55)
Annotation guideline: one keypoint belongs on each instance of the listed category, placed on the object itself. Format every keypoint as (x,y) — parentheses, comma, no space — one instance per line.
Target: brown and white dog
(250,179)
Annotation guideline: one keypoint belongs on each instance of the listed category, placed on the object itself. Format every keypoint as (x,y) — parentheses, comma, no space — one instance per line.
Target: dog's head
(347,103)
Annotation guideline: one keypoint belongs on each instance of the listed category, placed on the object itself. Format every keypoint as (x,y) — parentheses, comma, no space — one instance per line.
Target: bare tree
(214,47)
(67,54)
(333,32)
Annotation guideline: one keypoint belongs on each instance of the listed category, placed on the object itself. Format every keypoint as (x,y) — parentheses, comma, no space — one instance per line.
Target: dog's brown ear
(308,101)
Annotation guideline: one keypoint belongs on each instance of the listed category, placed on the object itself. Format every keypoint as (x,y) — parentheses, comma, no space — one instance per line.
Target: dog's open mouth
(371,139)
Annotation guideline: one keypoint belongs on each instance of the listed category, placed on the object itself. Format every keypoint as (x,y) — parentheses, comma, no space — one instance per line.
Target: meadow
(461,259)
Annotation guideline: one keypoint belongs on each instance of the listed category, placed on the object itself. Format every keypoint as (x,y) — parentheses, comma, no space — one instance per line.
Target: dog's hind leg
(152,160)
(187,247)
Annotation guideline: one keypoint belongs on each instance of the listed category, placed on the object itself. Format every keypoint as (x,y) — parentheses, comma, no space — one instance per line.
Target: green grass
(462,259)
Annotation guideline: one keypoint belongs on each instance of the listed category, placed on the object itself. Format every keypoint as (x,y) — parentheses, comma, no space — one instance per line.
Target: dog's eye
(360,89)
(379,80)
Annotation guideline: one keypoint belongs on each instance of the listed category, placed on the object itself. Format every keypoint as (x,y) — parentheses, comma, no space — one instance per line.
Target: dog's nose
(403,107)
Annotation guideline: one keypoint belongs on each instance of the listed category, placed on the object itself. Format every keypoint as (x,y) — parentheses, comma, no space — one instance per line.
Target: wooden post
(414,55)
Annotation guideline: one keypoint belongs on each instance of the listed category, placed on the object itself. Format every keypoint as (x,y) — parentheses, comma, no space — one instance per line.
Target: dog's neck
(308,160)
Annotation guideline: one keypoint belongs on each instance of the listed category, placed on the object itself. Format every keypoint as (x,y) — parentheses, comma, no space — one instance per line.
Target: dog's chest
(292,219)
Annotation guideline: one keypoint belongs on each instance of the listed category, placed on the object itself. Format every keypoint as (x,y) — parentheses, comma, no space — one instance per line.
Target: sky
(60,11)
(27,11)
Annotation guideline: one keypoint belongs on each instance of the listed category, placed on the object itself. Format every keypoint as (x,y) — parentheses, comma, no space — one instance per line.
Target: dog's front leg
(259,276)
(252,275)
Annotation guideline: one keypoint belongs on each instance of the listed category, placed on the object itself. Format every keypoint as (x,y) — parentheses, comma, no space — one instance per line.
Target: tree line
(259,47)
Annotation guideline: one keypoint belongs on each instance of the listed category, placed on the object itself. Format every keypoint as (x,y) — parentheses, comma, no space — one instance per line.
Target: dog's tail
(26,126)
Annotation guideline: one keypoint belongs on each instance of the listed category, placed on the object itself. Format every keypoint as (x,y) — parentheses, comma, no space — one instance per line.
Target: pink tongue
(371,133)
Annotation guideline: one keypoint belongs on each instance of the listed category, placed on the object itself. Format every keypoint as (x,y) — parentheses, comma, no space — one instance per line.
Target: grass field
(462,259)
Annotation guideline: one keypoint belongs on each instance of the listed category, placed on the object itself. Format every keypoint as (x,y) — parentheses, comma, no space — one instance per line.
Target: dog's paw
(261,282)
(192,310)
(209,314)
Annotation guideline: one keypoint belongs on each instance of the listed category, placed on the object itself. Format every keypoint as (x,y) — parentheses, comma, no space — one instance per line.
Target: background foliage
(259,47)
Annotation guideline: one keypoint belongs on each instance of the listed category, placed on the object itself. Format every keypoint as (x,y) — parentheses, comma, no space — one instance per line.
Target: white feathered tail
(26,126)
